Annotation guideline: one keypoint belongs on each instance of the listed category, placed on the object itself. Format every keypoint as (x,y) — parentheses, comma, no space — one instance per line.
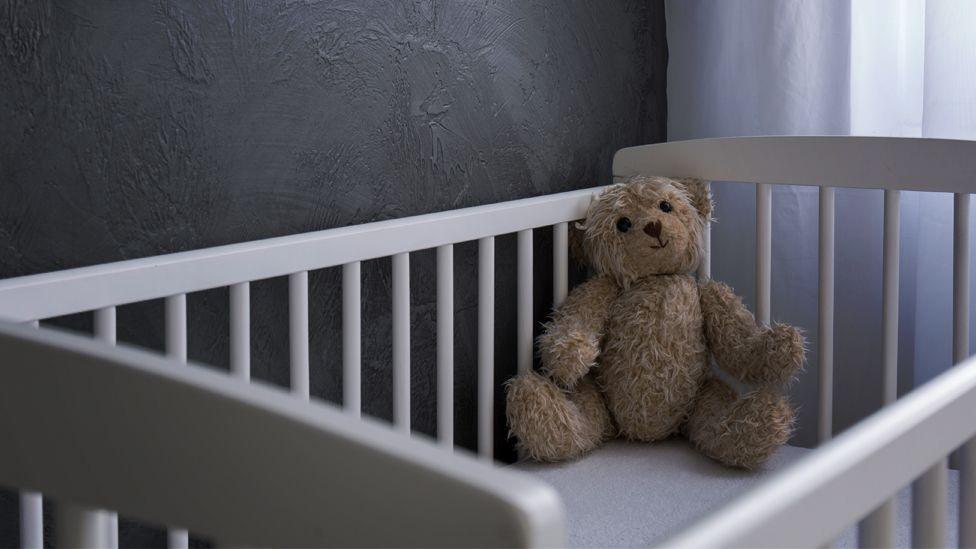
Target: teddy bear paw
(785,349)
(567,357)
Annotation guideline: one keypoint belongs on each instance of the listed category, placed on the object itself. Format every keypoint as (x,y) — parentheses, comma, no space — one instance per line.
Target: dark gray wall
(138,128)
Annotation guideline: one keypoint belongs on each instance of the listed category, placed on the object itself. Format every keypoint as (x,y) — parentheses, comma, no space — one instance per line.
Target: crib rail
(243,464)
(891,164)
(88,288)
(810,504)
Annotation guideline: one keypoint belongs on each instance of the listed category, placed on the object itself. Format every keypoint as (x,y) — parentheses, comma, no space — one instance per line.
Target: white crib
(99,427)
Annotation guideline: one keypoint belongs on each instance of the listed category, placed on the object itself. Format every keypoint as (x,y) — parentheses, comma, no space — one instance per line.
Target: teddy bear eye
(623,224)
(666,206)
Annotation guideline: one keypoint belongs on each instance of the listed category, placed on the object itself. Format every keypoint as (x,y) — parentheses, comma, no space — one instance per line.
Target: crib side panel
(319,477)
(812,502)
(89,288)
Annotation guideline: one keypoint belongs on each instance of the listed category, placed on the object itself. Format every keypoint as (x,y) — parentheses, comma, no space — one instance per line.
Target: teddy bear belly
(653,362)
(651,399)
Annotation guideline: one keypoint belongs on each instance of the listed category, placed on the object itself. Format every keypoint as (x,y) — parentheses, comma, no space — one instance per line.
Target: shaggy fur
(627,354)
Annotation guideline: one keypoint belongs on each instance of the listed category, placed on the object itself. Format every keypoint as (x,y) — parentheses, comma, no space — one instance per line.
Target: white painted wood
(906,163)
(960,352)
(889,290)
(445,345)
(560,263)
(175,309)
(967,494)
(960,279)
(87,288)
(177,538)
(401,342)
(176,349)
(929,493)
(930,498)
(355,474)
(878,529)
(31,520)
(298,332)
(764,250)
(352,338)
(111,529)
(105,325)
(79,526)
(486,347)
(240,330)
(825,331)
(705,269)
(31,507)
(106,331)
(524,310)
(810,503)
(868,162)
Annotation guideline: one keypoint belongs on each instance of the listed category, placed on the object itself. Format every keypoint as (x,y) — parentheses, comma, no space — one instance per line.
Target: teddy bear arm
(765,355)
(570,343)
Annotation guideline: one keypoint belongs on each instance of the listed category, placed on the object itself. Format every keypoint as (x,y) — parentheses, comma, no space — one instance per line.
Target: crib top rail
(863,162)
(904,163)
(242,463)
(82,289)
(851,475)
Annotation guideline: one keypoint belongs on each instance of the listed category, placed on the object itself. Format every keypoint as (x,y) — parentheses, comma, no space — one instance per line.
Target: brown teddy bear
(628,352)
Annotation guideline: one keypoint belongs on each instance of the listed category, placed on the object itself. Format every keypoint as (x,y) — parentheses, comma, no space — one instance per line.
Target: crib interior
(463,249)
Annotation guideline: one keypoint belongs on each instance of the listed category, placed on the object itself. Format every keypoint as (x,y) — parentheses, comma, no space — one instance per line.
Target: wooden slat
(31,509)
(176,327)
(240,330)
(930,499)
(560,263)
(352,338)
(764,250)
(825,331)
(445,345)
(878,529)
(524,308)
(298,333)
(106,330)
(705,269)
(176,349)
(960,353)
(401,342)
(486,347)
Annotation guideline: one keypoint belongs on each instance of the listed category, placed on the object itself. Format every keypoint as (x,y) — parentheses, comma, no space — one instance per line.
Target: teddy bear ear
(700,194)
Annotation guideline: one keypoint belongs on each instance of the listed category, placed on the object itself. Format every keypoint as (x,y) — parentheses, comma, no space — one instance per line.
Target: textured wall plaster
(138,128)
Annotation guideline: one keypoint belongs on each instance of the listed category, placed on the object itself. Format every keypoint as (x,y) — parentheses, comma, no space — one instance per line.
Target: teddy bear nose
(653,229)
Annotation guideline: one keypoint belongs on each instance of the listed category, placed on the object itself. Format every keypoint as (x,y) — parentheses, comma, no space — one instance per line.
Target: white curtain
(865,67)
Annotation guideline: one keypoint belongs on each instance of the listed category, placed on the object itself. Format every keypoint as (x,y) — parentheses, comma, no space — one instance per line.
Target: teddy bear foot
(552,424)
(739,431)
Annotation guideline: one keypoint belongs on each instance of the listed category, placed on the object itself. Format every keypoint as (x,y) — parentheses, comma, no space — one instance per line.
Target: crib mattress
(629,494)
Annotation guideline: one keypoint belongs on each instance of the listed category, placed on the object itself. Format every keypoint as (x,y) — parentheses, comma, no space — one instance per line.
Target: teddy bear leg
(552,424)
(739,431)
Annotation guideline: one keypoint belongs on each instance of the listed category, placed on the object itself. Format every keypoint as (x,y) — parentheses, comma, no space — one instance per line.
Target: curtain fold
(870,67)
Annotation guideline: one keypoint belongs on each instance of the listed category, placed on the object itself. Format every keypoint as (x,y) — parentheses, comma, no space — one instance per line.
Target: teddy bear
(628,353)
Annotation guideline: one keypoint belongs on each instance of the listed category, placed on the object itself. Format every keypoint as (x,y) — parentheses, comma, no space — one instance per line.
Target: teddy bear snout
(653,229)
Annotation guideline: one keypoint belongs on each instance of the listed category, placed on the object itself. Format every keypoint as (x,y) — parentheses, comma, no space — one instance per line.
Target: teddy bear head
(646,226)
